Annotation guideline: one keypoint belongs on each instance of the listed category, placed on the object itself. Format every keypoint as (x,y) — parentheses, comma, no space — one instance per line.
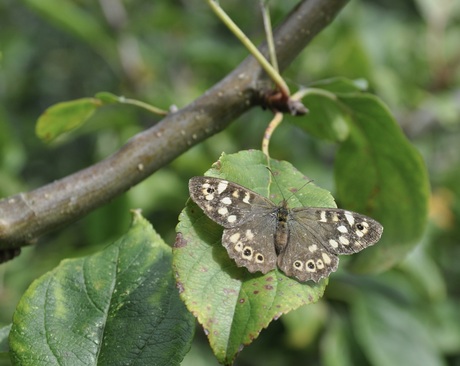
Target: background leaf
(392,334)
(123,298)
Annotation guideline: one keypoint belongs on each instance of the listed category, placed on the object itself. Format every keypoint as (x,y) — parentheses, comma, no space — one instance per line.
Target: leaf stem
(274,123)
(298,95)
(138,103)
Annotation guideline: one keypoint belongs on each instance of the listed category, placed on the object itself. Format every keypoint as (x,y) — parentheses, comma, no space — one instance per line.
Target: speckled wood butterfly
(304,242)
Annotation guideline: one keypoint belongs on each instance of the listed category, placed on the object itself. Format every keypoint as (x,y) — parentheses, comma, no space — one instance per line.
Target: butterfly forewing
(307,239)
(338,231)
(227,203)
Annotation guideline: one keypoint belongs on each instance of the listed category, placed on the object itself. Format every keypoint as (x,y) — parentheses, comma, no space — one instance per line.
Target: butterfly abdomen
(282,228)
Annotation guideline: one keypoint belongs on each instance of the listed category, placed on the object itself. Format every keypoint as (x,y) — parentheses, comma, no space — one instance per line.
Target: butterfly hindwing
(251,245)
(305,257)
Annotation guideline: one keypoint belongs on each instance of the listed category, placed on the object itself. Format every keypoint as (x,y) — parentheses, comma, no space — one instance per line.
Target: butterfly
(303,242)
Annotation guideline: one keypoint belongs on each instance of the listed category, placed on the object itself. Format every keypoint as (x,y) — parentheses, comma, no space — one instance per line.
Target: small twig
(272,73)
(269,33)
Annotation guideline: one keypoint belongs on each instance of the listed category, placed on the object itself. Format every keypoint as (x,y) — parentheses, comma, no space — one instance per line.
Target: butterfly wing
(250,245)
(249,220)
(318,235)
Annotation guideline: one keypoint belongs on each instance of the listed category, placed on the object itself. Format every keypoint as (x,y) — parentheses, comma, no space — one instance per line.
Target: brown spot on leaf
(242,300)
(268,287)
(255,292)
(229,291)
(180,241)
(180,286)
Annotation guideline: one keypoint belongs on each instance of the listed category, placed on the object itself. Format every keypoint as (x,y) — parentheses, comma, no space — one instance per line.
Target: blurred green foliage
(168,53)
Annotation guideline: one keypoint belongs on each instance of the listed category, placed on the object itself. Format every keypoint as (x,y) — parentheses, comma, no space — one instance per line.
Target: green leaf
(107,97)
(64,117)
(116,307)
(380,173)
(325,119)
(391,334)
(232,304)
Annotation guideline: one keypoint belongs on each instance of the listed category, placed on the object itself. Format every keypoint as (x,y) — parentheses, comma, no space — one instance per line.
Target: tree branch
(26,216)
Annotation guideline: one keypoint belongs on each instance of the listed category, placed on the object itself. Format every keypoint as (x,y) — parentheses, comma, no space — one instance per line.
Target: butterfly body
(304,242)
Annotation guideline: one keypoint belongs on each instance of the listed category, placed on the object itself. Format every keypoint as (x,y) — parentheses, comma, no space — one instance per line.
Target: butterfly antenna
(293,193)
(276,181)
(279,187)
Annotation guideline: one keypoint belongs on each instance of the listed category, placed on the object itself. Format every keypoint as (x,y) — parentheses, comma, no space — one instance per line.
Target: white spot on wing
(350,218)
(323,216)
(326,258)
(222,211)
(342,229)
(222,186)
(226,201)
(246,197)
(312,248)
(234,238)
(249,234)
(333,243)
(239,246)
(344,240)
(231,219)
